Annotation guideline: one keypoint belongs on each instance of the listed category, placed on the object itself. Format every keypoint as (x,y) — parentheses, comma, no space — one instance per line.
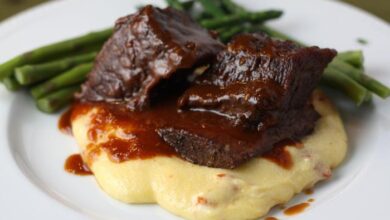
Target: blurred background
(381,8)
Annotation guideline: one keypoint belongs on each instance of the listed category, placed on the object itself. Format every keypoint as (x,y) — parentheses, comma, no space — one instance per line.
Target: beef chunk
(223,150)
(264,86)
(149,50)
(257,74)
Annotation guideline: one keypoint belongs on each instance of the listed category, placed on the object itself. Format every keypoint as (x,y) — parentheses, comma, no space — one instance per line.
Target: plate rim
(15,22)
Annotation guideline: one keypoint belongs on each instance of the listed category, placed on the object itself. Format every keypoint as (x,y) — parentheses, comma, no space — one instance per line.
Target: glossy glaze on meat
(255,75)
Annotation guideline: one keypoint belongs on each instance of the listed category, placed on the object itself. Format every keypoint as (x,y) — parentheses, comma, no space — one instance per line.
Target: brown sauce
(137,148)
(296,209)
(311,200)
(139,139)
(280,155)
(270,218)
(74,164)
(64,124)
(308,191)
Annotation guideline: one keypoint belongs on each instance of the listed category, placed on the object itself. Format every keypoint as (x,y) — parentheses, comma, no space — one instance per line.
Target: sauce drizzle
(308,191)
(296,209)
(64,123)
(74,164)
(138,138)
(280,155)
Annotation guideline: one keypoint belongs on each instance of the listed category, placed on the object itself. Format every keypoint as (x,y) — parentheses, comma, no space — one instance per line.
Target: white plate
(34,184)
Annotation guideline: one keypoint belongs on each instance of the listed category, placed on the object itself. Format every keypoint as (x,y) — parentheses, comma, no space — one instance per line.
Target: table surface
(381,8)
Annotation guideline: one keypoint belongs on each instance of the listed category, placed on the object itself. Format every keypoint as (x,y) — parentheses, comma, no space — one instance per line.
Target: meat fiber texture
(150,51)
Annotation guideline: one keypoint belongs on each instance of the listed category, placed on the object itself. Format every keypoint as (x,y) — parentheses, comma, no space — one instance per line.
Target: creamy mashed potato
(197,192)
